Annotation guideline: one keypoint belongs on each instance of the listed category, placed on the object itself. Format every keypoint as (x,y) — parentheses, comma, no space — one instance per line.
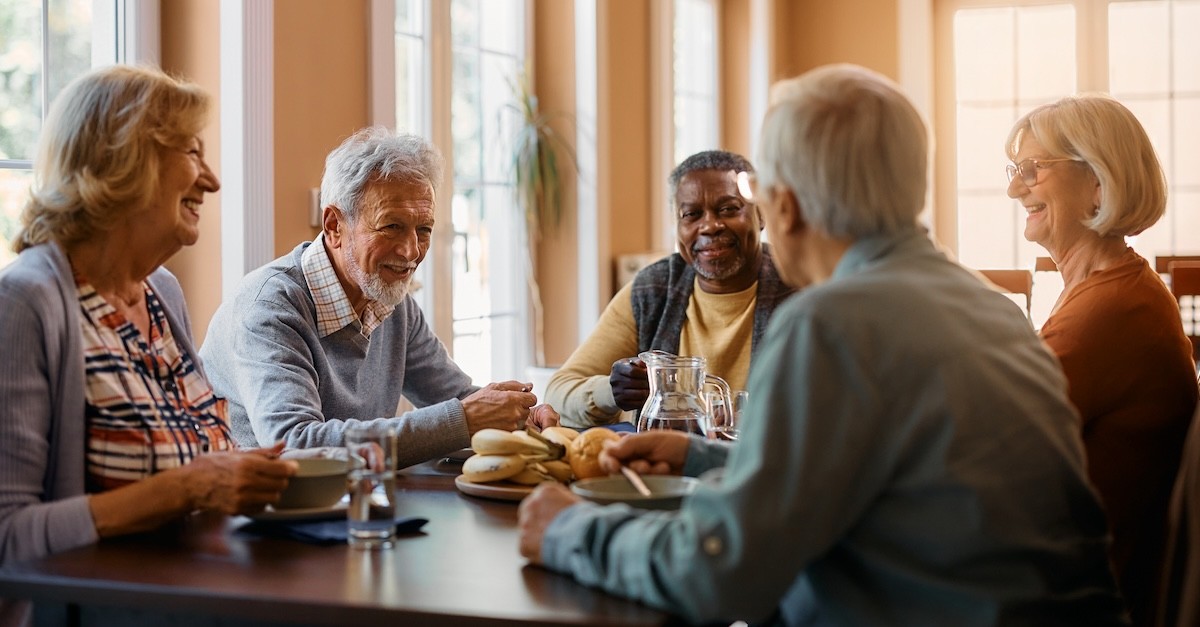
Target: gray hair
(1101,132)
(722,160)
(376,153)
(851,147)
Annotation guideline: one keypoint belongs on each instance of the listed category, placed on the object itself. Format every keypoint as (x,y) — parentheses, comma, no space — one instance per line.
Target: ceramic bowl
(317,483)
(667,491)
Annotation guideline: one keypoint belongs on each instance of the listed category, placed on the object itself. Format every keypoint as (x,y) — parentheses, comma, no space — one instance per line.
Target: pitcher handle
(726,398)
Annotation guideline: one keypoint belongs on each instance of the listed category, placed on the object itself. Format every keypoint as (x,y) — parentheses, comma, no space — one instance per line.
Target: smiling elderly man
(327,335)
(711,299)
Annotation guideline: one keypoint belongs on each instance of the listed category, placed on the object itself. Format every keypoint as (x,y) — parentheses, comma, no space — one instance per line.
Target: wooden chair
(1185,283)
(1044,264)
(1014,282)
(1162,263)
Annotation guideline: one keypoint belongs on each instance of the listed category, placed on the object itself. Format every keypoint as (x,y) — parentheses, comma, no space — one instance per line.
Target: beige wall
(320,99)
(321,96)
(554,82)
(810,33)
(189,50)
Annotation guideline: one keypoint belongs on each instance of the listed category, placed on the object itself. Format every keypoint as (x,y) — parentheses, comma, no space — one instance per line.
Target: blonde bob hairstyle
(851,147)
(98,158)
(1103,134)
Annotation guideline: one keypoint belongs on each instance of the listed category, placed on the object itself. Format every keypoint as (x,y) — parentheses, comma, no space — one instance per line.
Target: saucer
(303,513)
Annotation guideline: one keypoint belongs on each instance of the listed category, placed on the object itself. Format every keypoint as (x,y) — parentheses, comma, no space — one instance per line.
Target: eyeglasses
(747,186)
(1028,169)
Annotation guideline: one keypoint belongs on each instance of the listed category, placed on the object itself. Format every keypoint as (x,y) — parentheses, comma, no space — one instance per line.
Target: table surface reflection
(462,568)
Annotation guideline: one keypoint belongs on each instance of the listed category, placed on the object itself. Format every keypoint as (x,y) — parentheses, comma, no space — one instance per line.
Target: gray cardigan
(43,508)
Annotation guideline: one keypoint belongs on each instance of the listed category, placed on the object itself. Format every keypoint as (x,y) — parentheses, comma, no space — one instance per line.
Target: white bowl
(666,491)
(319,482)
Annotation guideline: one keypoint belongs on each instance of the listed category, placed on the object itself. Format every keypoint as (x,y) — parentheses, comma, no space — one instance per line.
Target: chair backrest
(1162,263)
(1044,264)
(1014,282)
(1185,285)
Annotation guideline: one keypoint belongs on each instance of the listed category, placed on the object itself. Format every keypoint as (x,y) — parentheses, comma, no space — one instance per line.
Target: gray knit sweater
(284,382)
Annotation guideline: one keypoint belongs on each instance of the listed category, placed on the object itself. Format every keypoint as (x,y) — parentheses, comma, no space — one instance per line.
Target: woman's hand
(238,482)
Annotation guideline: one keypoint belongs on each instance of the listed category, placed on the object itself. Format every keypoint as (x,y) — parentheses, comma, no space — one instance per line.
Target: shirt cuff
(704,455)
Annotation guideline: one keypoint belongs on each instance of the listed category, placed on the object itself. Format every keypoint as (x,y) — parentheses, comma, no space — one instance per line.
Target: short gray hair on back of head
(721,160)
(1106,136)
(376,153)
(851,147)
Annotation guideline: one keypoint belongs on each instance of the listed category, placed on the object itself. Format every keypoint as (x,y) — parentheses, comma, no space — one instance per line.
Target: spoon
(635,480)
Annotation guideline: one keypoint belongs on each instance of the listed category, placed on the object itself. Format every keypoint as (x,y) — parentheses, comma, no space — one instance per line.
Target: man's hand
(542,416)
(503,405)
(535,514)
(655,452)
(630,383)
(238,482)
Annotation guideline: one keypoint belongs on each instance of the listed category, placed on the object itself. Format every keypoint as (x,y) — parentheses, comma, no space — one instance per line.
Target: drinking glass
(724,424)
(372,513)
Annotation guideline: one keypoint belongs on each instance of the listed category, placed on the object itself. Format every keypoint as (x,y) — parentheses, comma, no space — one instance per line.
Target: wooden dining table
(462,568)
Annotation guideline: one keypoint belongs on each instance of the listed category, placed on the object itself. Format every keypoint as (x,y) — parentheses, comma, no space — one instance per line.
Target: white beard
(372,285)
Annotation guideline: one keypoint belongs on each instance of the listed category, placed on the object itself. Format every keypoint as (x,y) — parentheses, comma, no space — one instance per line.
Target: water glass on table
(372,479)
(724,423)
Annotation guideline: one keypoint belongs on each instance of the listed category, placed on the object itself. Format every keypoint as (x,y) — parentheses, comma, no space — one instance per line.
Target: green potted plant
(539,154)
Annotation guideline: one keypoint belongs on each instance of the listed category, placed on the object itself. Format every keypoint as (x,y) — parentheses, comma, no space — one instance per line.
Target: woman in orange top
(1087,175)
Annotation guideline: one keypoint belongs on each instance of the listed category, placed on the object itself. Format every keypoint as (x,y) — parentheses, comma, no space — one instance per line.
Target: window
(1005,60)
(45,45)
(695,77)
(684,95)
(491,339)
(474,293)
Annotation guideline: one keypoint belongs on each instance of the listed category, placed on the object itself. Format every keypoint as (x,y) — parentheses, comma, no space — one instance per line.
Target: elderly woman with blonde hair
(1086,173)
(107,423)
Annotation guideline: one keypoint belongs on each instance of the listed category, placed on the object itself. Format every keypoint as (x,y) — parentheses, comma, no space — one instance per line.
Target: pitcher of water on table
(677,399)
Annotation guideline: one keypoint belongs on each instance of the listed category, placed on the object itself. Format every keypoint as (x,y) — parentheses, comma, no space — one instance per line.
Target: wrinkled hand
(656,452)
(542,416)
(535,514)
(630,383)
(502,405)
(238,482)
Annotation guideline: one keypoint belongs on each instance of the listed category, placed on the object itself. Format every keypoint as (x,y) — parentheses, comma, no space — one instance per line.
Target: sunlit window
(411,65)
(1154,69)
(454,64)
(32,72)
(695,72)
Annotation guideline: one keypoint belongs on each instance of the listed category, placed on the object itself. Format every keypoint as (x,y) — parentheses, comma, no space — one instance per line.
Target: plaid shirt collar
(334,310)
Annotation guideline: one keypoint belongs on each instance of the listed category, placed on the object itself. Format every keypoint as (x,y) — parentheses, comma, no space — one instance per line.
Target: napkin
(320,532)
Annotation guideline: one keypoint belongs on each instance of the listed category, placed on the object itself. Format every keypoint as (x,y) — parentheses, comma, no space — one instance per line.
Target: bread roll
(584,452)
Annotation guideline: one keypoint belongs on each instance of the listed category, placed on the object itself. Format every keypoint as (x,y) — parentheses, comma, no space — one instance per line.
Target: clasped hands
(506,405)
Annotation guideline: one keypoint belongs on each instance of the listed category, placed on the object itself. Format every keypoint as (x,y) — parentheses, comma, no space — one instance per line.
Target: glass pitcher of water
(677,399)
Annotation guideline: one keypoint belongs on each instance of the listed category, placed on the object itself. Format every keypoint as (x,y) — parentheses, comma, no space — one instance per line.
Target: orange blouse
(1130,374)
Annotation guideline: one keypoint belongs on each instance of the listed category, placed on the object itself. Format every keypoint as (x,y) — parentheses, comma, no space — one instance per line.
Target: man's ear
(332,224)
(790,217)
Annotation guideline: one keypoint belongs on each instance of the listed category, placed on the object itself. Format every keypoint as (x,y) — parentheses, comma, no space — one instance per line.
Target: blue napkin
(320,532)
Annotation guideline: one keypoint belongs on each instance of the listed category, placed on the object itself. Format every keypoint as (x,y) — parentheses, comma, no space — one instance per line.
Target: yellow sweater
(718,328)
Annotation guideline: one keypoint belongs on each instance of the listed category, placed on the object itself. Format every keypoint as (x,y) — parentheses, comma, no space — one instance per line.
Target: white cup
(372,486)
